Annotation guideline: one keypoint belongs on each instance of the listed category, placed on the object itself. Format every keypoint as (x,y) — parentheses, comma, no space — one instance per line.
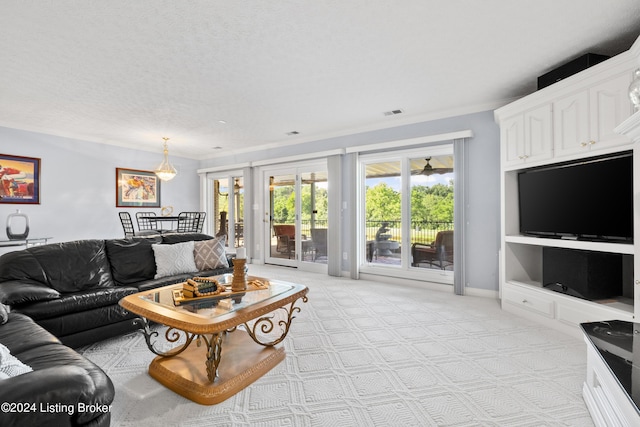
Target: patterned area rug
(362,353)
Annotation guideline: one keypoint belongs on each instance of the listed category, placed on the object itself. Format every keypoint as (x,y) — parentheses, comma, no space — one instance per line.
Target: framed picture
(19,179)
(136,188)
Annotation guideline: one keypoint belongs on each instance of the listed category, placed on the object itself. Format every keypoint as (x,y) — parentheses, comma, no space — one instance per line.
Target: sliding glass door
(227,208)
(297,199)
(407,211)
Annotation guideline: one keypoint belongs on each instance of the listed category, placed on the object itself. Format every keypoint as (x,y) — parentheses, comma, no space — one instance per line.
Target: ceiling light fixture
(166,172)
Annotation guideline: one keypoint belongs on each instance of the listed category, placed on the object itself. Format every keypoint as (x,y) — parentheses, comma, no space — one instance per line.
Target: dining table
(158,222)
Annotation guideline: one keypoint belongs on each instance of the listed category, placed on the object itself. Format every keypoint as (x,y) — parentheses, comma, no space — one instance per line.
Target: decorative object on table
(634,90)
(166,211)
(239,282)
(14,233)
(19,179)
(137,188)
(166,171)
(182,296)
(201,287)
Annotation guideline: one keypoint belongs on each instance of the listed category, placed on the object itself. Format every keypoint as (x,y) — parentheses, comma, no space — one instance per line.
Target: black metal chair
(191,222)
(144,223)
(129,230)
(127,224)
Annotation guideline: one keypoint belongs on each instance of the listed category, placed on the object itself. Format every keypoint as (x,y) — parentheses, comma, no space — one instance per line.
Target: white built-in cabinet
(527,136)
(585,120)
(571,119)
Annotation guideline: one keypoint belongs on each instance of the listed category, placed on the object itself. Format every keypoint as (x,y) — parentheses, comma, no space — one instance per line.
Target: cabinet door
(538,134)
(571,124)
(610,106)
(512,137)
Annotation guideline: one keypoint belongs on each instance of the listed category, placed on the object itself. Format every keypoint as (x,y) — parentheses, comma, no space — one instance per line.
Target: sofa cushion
(10,366)
(132,260)
(21,333)
(75,323)
(172,238)
(76,302)
(174,259)
(210,254)
(18,292)
(74,266)
(21,265)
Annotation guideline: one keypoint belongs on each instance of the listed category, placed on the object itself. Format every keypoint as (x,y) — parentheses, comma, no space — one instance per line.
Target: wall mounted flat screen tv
(590,199)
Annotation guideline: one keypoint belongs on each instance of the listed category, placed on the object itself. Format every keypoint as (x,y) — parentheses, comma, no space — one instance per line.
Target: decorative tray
(253,284)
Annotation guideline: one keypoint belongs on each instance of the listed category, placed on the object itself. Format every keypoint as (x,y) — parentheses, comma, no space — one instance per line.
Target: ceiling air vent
(393,112)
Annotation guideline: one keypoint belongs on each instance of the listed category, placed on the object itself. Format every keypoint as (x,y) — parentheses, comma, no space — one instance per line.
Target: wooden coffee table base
(242,362)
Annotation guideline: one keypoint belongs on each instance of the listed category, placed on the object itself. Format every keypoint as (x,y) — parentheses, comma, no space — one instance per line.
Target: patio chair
(319,239)
(285,238)
(439,253)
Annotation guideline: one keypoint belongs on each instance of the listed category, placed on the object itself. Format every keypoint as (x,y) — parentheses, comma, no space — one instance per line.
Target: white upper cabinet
(610,106)
(527,137)
(584,121)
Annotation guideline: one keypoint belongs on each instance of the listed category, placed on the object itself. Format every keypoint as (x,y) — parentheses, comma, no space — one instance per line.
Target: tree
(382,203)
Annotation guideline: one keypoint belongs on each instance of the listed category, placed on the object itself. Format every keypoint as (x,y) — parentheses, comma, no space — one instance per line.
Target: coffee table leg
(214,350)
(266,324)
(171,335)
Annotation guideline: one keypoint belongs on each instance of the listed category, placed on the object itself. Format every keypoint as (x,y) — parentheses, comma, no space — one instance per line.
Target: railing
(421,231)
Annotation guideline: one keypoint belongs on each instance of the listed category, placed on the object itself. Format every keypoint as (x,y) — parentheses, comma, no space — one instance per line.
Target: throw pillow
(132,259)
(174,259)
(4,314)
(210,254)
(9,365)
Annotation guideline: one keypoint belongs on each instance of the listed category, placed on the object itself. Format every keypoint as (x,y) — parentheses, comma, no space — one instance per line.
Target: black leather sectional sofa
(72,289)
(65,295)
(64,388)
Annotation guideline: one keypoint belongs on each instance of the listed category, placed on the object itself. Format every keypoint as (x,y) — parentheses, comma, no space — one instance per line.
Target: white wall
(78,193)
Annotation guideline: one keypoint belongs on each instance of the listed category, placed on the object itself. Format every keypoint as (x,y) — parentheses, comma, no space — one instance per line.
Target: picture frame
(19,180)
(137,189)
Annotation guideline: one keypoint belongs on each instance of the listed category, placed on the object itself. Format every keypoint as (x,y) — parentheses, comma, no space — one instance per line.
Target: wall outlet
(345,256)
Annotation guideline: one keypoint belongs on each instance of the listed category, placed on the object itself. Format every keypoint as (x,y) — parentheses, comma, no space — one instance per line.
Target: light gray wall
(483,207)
(78,194)
(78,183)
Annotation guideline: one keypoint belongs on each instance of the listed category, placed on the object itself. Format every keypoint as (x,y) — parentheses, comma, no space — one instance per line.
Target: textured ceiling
(128,72)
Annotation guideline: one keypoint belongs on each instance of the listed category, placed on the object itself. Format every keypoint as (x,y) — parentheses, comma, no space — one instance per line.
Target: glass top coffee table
(231,349)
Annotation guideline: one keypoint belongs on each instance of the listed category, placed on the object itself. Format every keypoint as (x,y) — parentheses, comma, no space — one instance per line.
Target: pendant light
(166,172)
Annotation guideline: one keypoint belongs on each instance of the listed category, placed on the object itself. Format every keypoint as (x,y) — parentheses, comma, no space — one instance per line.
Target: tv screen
(590,199)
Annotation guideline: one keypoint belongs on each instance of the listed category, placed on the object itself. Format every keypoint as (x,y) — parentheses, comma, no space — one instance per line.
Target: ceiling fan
(430,170)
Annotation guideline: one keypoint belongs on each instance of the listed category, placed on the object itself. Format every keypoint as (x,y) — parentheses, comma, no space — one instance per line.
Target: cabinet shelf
(620,248)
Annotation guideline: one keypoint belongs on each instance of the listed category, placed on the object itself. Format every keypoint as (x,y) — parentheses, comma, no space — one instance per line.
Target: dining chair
(127,224)
(129,230)
(191,222)
(144,223)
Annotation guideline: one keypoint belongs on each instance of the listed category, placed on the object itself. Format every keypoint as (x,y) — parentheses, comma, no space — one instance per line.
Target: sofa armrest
(17,292)
(37,391)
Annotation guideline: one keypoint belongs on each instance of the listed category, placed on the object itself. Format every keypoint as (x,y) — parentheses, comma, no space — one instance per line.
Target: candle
(241,253)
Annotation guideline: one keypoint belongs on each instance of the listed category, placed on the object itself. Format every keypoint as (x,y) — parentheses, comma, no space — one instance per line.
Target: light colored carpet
(363,353)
